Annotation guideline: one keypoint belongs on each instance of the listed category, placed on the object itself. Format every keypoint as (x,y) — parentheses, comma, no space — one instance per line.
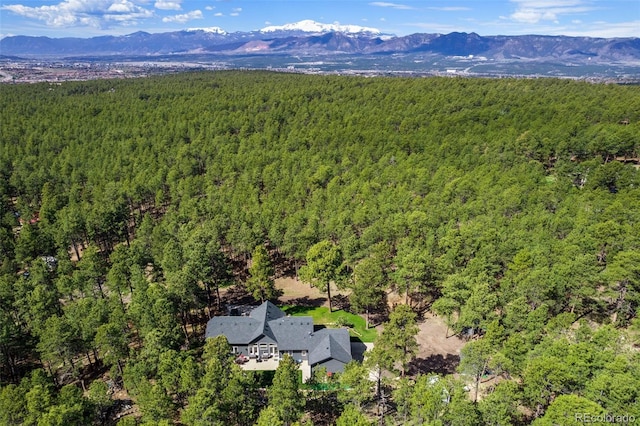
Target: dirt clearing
(438,351)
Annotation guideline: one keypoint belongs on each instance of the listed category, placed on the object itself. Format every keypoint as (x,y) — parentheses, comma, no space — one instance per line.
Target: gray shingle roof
(292,333)
(244,330)
(238,330)
(266,312)
(330,343)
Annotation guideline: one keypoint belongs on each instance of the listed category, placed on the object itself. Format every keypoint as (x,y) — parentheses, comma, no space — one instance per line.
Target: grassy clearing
(322,316)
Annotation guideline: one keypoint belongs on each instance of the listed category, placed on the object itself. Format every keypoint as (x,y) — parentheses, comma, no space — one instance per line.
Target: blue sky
(87,18)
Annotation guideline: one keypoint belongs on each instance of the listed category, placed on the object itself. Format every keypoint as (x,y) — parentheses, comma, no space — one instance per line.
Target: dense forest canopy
(510,207)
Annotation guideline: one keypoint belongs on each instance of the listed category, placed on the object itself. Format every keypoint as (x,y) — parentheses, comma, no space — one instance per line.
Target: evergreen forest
(509,208)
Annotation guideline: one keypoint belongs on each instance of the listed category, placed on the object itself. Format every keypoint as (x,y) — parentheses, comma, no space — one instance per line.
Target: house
(267,334)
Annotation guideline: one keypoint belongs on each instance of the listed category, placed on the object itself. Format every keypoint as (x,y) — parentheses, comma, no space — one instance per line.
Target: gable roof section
(237,330)
(330,344)
(244,330)
(292,333)
(264,314)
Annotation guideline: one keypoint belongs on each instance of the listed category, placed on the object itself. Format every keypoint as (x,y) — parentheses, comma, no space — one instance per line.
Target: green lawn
(322,316)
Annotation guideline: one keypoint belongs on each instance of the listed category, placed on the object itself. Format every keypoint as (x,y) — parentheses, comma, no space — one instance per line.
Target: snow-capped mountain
(312,38)
(212,30)
(309,26)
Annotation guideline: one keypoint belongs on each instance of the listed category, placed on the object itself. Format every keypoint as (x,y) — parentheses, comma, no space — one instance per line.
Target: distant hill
(309,38)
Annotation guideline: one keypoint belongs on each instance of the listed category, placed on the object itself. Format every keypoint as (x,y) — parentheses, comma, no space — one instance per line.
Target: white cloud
(532,16)
(235,11)
(184,17)
(218,14)
(568,27)
(391,5)
(607,29)
(209,7)
(534,11)
(550,3)
(168,5)
(450,8)
(92,13)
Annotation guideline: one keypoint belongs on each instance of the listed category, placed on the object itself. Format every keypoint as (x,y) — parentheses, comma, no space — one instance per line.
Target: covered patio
(253,364)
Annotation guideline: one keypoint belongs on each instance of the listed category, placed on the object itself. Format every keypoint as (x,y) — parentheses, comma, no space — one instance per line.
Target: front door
(264,350)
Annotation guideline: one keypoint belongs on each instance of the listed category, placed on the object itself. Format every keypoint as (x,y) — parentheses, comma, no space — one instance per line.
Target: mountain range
(312,38)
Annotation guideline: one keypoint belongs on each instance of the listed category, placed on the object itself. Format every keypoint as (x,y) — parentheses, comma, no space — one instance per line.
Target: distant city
(18,70)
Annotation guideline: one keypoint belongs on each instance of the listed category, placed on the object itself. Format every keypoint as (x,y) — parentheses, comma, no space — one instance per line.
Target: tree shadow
(278,293)
(302,304)
(282,265)
(238,295)
(340,302)
(378,315)
(435,363)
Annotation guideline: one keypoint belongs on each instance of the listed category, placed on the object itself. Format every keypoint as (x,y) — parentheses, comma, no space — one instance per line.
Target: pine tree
(261,284)
(284,394)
